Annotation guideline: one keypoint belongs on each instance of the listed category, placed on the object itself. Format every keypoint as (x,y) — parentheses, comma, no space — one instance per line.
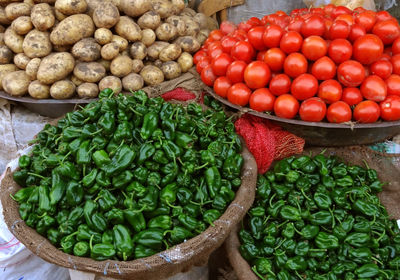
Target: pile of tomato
(322,63)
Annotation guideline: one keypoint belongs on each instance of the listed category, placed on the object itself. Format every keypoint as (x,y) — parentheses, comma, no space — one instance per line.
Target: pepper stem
(36,175)
(378,261)
(91,242)
(254,268)
(298,274)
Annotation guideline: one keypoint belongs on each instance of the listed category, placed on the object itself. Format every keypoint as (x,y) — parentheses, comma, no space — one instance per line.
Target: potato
(88,90)
(38,90)
(178,5)
(37,44)
(111,82)
(166,32)
(86,50)
(106,15)
(2,29)
(138,51)
(171,52)
(189,12)
(71,7)
(42,17)
(137,65)
(188,44)
(178,23)
(4,69)
(201,20)
(3,18)
(13,40)
(152,75)
(106,63)
(132,82)
(128,29)
(2,39)
(103,36)
(148,37)
(55,67)
(15,10)
(21,61)
(90,72)
(63,89)
(171,70)
(62,48)
(121,66)
(158,63)
(110,51)
(150,20)
(212,24)
(45,1)
(16,83)
(92,5)
(120,41)
(163,7)
(22,25)
(59,16)
(6,55)
(30,2)
(72,29)
(154,50)
(185,61)
(202,36)
(117,4)
(192,28)
(77,82)
(32,67)
(135,8)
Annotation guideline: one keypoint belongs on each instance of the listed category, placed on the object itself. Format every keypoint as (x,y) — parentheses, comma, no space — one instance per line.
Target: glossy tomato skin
(338,112)
(396,46)
(216,35)
(304,86)
(275,58)
(243,50)
(340,10)
(286,106)
(352,96)
(366,112)
(387,31)
(366,19)
(324,68)
(199,55)
(314,25)
(330,91)
(261,55)
(207,76)
(213,53)
(221,86)
(368,49)
(312,110)
(272,36)
(382,16)
(291,42)
(235,71)
(262,100)
(255,36)
(390,108)
(227,43)
(395,60)
(220,64)
(374,88)
(203,62)
(257,75)
(356,32)
(340,29)
(351,73)
(393,85)
(227,27)
(295,64)
(239,94)
(314,47)
(381,68)
(295,24)
(280,84)
(340,50)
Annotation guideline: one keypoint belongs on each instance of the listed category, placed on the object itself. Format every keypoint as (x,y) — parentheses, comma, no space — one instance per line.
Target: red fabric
(267,142)
(179,94)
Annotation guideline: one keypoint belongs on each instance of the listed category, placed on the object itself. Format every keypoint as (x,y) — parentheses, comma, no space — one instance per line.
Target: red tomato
(240,35)
(386,57)
(395,60)
(244,26)
(254,21)
(359,10)
(272,36)
(383,15)
(216,35)
(367,112)
(324,68)
(280,84)
(261,55)
(295,24)
(215,52)
(221,86)
(330,91)
(328,24)
(351,73)
(275,58)
(295,64)
(291,42)
(356,32)
(346,18)
(338,112)
(387,30)
(227,43)
(382,68)
(286,106)
(390,108)
(340,50)
(366,19)
(220,64)
(352,96)
(374,88)
(312,110)
(214,45)
(314,25)
(314,47)
(262,100)
(340,29)
(304,87)
(198,56)
(393,85)
(368,49)
(243,50)
(207,76)
(396,46)
(255,36)
(227,27)
(239,94)
(235,71)
(340,10)
(257,75)
(328,9)
(203,62)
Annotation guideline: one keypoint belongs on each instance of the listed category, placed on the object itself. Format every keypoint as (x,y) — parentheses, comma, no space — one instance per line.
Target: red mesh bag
(179,94)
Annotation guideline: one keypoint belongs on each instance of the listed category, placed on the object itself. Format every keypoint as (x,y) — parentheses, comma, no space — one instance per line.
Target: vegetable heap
(129,176)
(318,218)
(329,63)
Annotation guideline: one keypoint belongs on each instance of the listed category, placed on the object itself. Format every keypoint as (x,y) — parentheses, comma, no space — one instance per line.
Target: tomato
(261,55)
(382,68)
(396,46)
(254,21)
(227,43)
(272,36)
(275,58)
(244,26)
(227,27)
(257,75)
(291,42)
(340,10)
(366,19)
(304,87)
(221,86)
(351,73)
(239,94)
(314,47)
(328,9)
(368,49)
(387,31)
(367,112)
(295,24)
(383,15)
(215,52)
(359,10)
(235,71)
(255,36)
(340,29)
(203,62)
(314,25)
(207,76)
(330,91)
(338,112)
(340,50)
(356,32)
(240,35)
(262,100)
(374,88)
(346,18)
(395,60)
(312,110)
(393,85)
(324,68)
(295,64)
(286,106)
(352,96)
(280,84)
(216,35)
(243,50)
(390,108)
(198,56)
(220,64)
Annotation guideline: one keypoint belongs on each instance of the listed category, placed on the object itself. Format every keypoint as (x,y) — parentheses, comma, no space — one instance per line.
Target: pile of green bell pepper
(126,177)
(319,218)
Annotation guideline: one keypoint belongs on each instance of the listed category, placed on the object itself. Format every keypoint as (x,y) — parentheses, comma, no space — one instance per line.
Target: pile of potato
(59,47)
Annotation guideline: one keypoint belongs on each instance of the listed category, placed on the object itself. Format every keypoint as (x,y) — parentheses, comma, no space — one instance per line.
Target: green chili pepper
(81,249)
(102,252)
(123,242)
(151,238)
(290,213)
(135,219)
(74,193)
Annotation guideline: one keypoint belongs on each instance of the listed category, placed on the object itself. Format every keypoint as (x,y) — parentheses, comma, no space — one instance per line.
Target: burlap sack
(388,167)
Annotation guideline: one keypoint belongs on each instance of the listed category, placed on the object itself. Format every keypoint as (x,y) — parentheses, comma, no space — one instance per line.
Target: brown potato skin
(86,50)
(16,83)
(106,15)
(63,89)
(128,29)
(111,82)
(88,90)
(90,72)
(132,82)
(72,29)
(152,75)
(121,66)
(71,7)
(42,17)
(6,55)
(135,8)
(37,44)
(55,67)
(38,90)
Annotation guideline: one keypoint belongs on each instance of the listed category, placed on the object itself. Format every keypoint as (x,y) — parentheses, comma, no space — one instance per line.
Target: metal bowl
(326,134)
